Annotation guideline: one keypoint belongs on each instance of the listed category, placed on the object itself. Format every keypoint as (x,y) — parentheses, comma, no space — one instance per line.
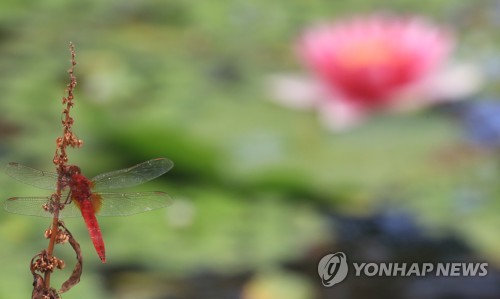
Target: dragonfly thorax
(80,186)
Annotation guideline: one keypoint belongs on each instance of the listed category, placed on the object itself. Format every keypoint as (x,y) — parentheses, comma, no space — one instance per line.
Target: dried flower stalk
(44,263)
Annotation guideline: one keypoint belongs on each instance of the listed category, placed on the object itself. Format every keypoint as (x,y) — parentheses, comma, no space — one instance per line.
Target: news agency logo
(333,268)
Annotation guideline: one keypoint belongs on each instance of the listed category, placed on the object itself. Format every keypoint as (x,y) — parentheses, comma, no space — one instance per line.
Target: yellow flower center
(365,53)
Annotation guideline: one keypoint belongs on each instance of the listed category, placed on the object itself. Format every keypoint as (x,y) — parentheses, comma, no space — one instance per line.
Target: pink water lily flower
(371,64)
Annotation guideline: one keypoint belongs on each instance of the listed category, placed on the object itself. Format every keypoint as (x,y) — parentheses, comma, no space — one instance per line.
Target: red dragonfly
(82,197)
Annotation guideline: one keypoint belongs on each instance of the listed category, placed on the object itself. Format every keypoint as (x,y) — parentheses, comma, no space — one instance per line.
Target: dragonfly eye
(73,169)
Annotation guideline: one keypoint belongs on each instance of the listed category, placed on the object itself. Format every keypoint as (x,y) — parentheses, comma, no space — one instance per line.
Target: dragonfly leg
(68,199)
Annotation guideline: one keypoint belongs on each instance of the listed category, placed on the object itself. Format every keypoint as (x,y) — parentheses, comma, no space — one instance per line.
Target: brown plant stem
(53,235)
(61,159)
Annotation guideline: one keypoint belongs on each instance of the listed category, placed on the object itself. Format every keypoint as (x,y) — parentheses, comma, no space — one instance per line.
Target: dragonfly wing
(132,176)
(123,204)
(33,206)
(40,179)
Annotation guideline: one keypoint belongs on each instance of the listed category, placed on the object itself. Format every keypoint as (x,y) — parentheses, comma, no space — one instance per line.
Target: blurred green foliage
(185,80)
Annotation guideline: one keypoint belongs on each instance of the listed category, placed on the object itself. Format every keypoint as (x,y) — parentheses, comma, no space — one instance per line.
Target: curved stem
(54,229)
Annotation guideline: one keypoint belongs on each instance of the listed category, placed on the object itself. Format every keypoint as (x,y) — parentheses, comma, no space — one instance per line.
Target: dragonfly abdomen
(93,227)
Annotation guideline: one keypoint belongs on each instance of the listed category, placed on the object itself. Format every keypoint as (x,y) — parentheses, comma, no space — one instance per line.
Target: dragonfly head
(73,169)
